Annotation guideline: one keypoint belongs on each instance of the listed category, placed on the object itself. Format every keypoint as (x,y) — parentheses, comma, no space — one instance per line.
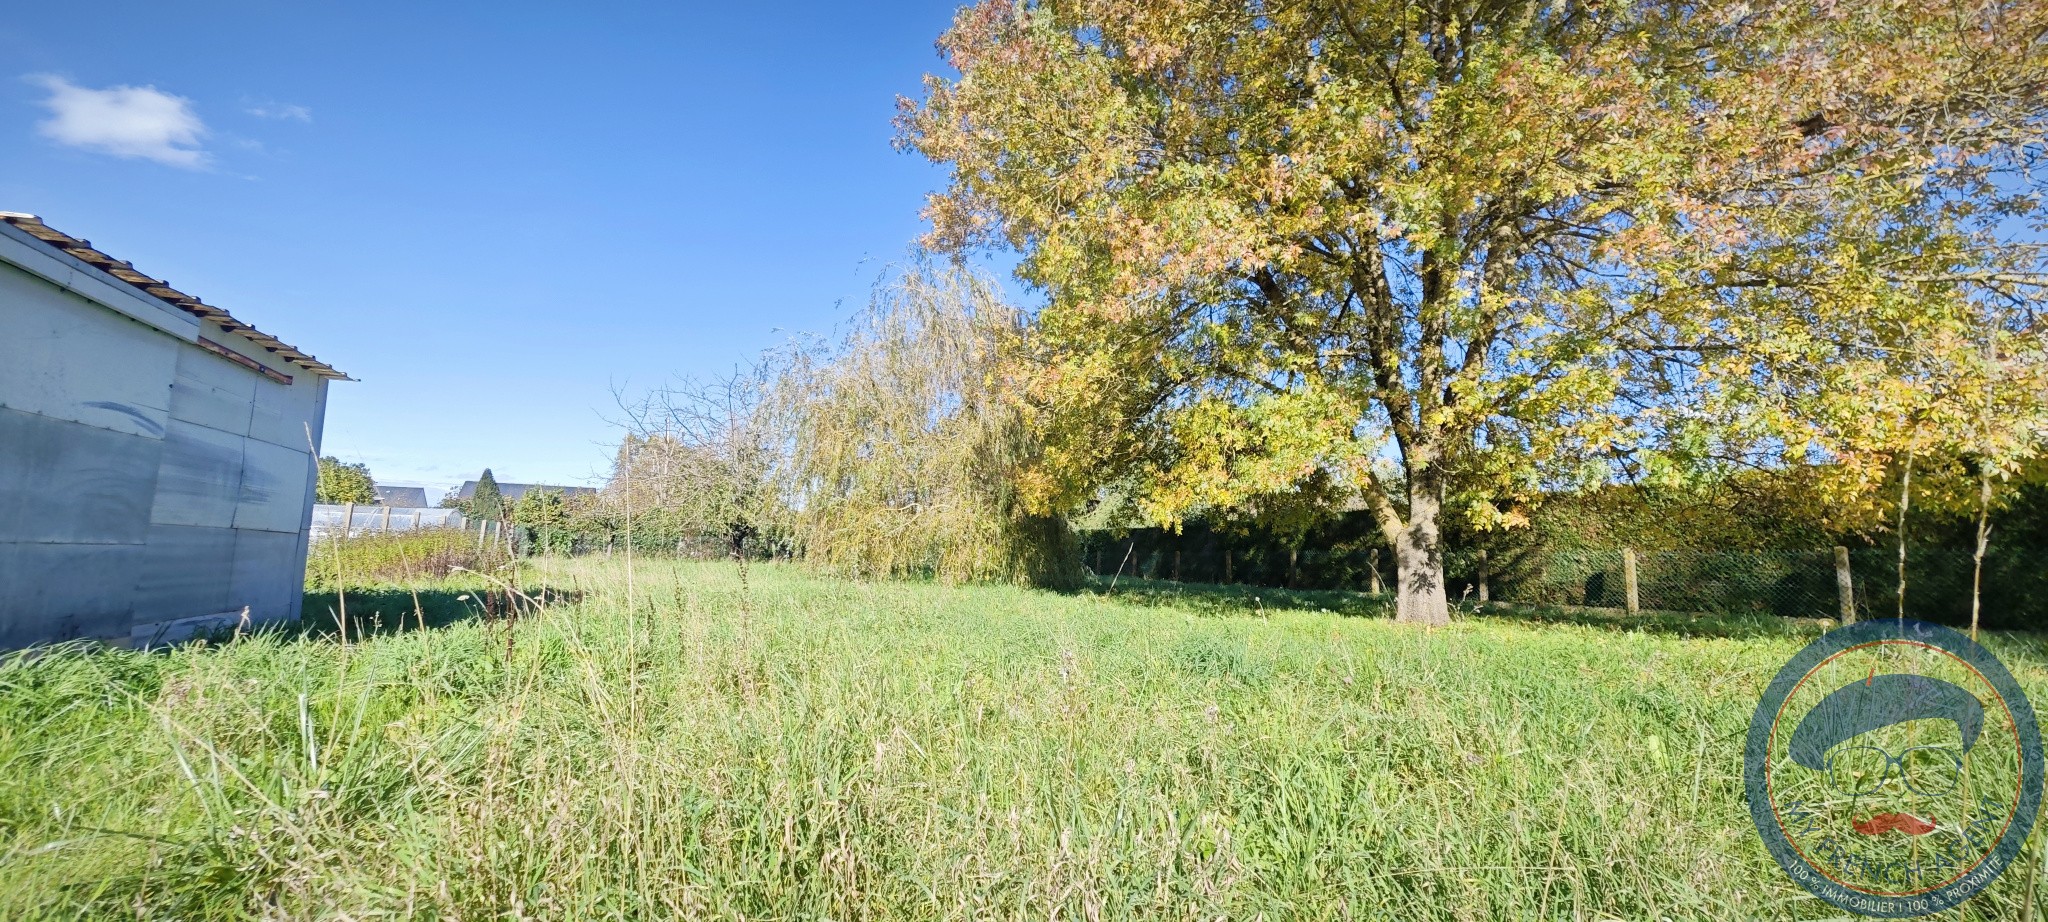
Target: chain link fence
(1797,583)
(1791,583)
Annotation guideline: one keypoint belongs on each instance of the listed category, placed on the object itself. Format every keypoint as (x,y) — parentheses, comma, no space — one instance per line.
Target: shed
(156,454)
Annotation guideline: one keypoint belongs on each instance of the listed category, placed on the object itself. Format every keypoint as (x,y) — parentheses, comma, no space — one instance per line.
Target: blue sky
(490,213)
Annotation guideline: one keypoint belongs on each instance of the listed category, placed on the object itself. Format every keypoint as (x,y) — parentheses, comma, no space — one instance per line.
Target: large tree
(1451,252)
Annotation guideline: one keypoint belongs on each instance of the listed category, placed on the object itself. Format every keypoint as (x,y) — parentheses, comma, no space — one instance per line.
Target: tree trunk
(1419,563)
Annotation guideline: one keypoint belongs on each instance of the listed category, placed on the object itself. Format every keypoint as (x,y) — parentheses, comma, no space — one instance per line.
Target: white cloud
(278,111)
(126,121)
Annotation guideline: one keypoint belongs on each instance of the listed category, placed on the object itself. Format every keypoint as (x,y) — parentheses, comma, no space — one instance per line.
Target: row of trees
(1436,261)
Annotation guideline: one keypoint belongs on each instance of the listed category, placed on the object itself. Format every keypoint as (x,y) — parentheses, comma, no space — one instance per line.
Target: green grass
(823,749)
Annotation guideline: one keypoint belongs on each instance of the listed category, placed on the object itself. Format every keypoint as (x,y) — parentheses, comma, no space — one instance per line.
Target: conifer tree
(487,503)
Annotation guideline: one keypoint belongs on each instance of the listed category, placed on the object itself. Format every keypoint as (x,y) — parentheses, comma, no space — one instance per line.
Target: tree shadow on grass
(389,610)
(1237,598)
(1240,599)
(1728,626)
(2017,649)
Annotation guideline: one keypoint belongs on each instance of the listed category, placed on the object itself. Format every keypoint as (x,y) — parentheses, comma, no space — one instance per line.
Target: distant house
(512,491)
(156,454)
(402,497)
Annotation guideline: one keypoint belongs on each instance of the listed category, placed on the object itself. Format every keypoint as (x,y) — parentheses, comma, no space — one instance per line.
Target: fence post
(1484,596)
(348,519)
(1845,587)
(1226,565)
(387,518)
(1628,580)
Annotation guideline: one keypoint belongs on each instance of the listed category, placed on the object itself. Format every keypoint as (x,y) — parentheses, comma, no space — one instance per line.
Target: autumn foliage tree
(1451,254)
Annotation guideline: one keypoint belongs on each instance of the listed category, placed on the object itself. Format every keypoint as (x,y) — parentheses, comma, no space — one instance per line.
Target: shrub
(395,557)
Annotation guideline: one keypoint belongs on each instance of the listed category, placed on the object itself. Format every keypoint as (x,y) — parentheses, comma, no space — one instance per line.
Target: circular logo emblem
(1894,768)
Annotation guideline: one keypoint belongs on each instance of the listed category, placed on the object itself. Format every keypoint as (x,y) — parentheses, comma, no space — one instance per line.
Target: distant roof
(121,271)
(512,491)
(402,497)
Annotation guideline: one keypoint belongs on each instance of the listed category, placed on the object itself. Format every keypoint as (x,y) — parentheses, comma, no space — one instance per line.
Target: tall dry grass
(904,750)
(397,558)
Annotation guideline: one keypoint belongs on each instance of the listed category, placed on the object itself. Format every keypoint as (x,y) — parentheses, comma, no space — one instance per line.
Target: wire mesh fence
(1940,581)
(2013,592)
(1789,583)
(1796,583)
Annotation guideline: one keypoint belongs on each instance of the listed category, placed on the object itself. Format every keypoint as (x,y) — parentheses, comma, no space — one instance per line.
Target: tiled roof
(512,491)
(402,497)
(121,271)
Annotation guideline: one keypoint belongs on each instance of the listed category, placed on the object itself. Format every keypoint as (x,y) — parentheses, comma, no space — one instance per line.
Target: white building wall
(143,479)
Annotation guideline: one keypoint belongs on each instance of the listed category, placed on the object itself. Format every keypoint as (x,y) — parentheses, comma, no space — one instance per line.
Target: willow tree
(904,444)
(1448,252)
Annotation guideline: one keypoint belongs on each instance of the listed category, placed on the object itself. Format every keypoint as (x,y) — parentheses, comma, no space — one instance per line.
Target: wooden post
(1628,580)
(1226,565)
(1845,585)
(481,524)
(387,518)
(1484,595)
(1176,565)
(348,519)
(1373,570)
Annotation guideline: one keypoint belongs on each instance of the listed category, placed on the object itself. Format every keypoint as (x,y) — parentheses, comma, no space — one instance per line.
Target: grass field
(818,749)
